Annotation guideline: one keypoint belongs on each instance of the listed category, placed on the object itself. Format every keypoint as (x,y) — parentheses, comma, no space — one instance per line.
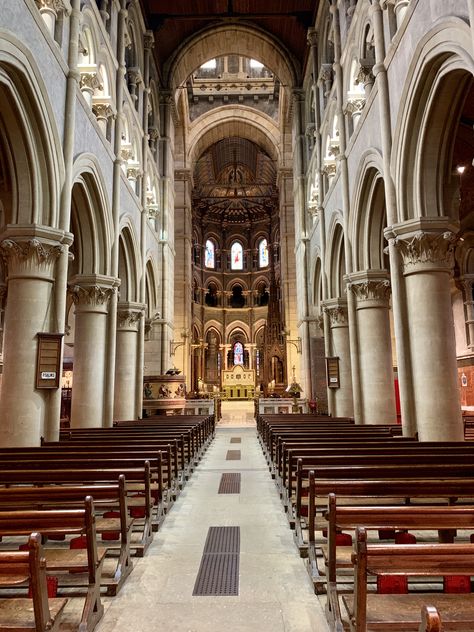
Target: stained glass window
(210,258)
(236,256)
(238,353)
(263,253)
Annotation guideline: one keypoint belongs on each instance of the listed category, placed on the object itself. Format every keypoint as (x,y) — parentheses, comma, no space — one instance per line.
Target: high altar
(238,383)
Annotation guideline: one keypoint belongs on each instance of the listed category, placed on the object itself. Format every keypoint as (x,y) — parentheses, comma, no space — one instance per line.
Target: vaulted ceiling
(173,21)
(234,183)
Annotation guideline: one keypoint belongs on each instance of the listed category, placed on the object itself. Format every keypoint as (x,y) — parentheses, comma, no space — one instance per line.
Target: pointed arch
(436,84)
(91,218)
(30,138)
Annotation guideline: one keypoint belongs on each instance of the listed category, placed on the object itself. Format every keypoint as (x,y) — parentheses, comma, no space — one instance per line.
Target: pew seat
(27,568)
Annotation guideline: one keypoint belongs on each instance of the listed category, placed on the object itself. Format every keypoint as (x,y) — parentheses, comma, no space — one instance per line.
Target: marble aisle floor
(275,593)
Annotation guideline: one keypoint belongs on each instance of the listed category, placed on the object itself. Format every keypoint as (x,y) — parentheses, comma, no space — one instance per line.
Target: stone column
(342,398)
(91,296)
(31,263)
(372,292)
(126,359)
(426,247)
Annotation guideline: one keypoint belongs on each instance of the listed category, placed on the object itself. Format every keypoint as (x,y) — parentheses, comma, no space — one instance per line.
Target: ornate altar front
(238,383)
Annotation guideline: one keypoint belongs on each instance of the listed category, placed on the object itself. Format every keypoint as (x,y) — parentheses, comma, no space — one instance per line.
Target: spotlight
(460,169)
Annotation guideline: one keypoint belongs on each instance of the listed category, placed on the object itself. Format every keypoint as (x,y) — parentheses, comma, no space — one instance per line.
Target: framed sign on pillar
(48,369)
(332,372)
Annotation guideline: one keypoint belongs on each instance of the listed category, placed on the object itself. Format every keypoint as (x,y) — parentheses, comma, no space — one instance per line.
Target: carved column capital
(148,40)
(92,293)
(89,82)
(30,257)
(330,169)
(354,106)
(336,309)
(365,76)
(326,72)
(426,251)
(102,110)
(466,284)
(312,36)
(134,76)
(55,6)
(370,288)
(129,315)
(320,322)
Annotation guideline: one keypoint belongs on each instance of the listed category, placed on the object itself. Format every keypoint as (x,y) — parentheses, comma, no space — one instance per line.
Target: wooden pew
(73,461)
(122,450)
(28,567)
(430,620)
(109,497)
(369,612)
(125,445)
(138,480)
(395,490)
(445,520)
(292,451)
(86,565)
(449,468)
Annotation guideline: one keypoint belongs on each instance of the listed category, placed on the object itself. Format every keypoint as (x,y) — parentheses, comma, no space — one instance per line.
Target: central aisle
(275,593)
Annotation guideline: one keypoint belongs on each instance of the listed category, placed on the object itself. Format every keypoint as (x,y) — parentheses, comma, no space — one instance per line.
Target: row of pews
(74,513)
(385,522)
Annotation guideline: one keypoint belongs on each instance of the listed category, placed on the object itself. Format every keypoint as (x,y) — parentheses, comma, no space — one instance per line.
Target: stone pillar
(372,293)
(426,247)
(342,399)
(31,262)
(126,359)
(91,296)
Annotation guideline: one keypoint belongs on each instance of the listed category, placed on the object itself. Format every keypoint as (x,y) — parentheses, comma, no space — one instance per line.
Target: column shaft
(342,401)
(426,247)
(375,349)
(31,265)
(91,300)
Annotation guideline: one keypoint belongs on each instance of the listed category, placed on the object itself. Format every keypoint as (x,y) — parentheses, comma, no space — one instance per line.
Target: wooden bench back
(28,565)
(47,522)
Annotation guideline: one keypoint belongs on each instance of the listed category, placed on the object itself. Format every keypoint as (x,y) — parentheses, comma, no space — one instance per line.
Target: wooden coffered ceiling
(173,21)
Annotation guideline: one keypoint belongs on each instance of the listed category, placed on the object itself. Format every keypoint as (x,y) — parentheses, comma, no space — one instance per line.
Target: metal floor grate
(233,455)
(219,570)
(229,484)
(236,440)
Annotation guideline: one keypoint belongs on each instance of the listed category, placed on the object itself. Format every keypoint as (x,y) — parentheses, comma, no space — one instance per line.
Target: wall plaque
(332,372)
(48,370)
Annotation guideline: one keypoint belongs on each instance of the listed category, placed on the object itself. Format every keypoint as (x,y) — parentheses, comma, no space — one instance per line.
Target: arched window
(210,258)
(236,256)
(263,253)
(238,353)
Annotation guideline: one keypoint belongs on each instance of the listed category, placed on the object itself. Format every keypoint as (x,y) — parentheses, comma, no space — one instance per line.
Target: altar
(238,383)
